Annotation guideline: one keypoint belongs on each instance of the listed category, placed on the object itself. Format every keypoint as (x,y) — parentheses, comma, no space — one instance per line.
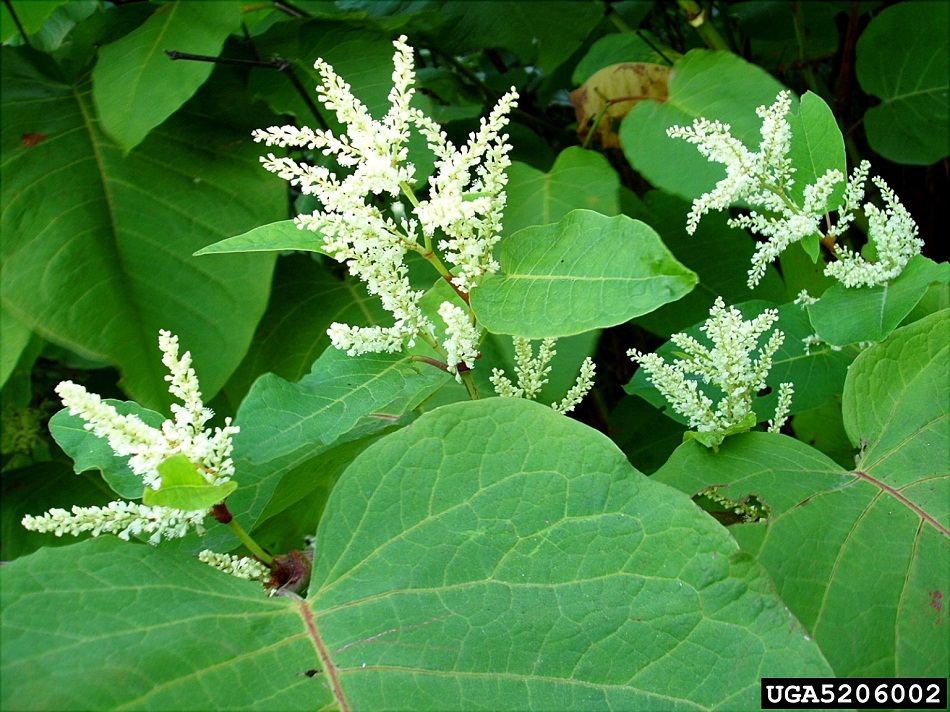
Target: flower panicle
(728,365)
(462,212)
(762,180)
(147,448)
(532,372)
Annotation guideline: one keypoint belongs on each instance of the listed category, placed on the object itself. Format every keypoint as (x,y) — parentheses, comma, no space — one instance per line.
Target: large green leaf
(716,85)
(343,398)
(97,251)
(585,272)
(487,526)
(148,628)
(904,60)
(896,403)
(858,556)
(136,86)
(579,179)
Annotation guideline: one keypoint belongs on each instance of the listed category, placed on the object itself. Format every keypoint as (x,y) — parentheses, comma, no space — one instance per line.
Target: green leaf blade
(586,272)
(895,400)
(183,487)
(817,147)
(579,179)
(203,640)
(276,237)
(903,58)
(716,85)
(90,452)
(542,541)
(343,398)
(874,312)
(97,255)
(136,86)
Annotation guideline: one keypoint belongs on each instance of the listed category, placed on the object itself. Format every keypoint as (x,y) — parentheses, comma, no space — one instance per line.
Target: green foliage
(430,557)
(183,487)
(578,179)
(675,166)
(134,88)
(469,552)
(903,58)
(97,253)
(857,554)
(554,281)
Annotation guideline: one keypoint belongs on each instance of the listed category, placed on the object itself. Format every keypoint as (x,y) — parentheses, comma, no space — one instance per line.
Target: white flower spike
(532,373)
(464,206)
(147,448)
(728,366)
(762,179)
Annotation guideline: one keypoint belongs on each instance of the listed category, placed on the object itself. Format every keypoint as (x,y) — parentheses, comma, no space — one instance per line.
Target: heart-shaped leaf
(489,525)
(343,398)
(585,272)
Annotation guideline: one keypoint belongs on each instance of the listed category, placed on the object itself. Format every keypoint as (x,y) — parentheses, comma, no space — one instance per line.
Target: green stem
(615,18)
(469,382)
(696,16)
(407,189)
(251,545)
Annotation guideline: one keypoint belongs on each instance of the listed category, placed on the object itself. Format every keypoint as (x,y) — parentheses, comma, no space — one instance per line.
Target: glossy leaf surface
(586,272)
(494,525)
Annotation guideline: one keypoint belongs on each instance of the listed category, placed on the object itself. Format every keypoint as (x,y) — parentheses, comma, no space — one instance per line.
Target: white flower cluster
(893,233)
(242,567)
(762,179)
(532,371)
(124,519)
(461,338)
(728,366)
(464,205)
(147,448)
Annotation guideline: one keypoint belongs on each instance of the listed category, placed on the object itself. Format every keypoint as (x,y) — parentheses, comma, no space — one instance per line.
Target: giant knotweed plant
(186,470)
(390,454)
(728,366)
